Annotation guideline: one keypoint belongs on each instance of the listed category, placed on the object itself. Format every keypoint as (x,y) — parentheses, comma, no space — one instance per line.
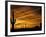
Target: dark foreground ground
(27,29)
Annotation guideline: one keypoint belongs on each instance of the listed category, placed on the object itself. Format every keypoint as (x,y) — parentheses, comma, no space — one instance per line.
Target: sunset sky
(26,16)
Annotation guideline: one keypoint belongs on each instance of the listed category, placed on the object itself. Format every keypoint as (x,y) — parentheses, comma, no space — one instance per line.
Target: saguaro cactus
(12,21)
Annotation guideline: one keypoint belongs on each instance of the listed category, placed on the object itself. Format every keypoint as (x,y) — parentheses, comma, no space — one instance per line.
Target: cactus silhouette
(12,21)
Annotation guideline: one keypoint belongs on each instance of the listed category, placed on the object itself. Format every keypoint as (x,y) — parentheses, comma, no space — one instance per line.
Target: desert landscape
(26,17)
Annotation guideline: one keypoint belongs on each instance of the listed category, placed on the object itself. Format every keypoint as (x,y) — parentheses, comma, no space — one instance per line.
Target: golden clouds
(26,17)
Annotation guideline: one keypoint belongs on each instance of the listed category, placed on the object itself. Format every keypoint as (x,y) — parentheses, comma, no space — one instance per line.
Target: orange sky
(31,16)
